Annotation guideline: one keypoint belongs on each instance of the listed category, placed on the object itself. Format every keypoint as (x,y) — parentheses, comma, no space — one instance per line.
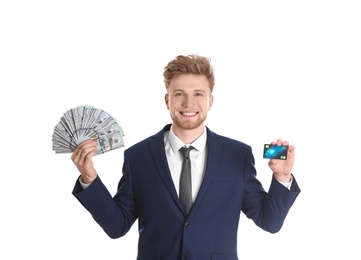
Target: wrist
(87,179)
(283,178)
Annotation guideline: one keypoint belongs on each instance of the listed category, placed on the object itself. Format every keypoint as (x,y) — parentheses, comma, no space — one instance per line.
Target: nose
(187,101)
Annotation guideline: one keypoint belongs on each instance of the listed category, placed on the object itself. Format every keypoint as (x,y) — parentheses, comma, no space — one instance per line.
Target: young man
(223,179)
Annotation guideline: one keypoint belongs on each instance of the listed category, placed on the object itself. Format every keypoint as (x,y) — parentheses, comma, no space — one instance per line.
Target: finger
(81,145)
(272,162)
(83,149)
(85,158)
(285,143)
(87,143)
(291,151)
(278,142)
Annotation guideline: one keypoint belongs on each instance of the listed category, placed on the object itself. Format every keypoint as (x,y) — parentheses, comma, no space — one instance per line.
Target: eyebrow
(196,90)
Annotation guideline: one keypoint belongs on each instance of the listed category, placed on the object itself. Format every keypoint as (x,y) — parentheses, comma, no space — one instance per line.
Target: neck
(188,136)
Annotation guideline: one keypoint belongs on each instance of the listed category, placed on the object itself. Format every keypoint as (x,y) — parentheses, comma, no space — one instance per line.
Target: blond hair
(190,64)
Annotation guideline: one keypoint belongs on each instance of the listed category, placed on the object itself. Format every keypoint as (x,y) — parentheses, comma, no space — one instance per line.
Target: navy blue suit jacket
(146,192)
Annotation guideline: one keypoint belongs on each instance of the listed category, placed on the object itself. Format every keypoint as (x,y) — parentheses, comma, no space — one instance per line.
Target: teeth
(189,114)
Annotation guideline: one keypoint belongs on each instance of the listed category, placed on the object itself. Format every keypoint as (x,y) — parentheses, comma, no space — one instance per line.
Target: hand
(82,158)
(282,168)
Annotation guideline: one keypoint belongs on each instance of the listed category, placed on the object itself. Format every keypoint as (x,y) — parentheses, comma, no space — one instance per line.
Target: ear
(166,99)
(210,103)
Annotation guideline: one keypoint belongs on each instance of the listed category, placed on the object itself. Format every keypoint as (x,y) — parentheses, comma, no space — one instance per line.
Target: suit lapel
(160,160)
(214,144)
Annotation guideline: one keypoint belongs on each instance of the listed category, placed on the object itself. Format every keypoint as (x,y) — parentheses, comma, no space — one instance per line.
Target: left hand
(282,169)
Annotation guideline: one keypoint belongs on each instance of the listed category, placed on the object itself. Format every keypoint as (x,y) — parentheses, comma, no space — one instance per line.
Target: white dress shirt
(198,159)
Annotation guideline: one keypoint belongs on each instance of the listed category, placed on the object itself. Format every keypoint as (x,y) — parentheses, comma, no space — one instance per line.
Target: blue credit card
(271,151)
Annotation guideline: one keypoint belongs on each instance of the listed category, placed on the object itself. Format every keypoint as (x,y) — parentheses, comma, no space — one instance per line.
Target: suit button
(187,224)
(186,257)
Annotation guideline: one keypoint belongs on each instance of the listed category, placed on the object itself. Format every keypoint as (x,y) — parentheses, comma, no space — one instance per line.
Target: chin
(189,125)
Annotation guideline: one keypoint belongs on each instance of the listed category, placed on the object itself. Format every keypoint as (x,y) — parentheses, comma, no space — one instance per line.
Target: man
(224,182)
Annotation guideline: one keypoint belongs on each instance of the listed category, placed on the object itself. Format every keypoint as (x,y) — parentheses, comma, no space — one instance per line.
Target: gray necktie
(185,184)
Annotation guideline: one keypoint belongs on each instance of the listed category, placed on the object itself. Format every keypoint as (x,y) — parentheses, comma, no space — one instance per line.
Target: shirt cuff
(84,185)
(287,184)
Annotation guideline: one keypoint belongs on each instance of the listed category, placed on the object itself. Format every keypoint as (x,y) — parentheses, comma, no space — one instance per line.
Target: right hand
(82,158)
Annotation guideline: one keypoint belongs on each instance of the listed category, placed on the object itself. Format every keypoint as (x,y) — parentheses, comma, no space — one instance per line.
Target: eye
(198,94)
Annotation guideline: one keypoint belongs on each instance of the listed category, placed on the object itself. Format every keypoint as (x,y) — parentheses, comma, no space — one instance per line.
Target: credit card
(271,151)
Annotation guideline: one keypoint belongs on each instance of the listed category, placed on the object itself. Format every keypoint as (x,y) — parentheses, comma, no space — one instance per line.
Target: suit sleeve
(267,209)
(115,215)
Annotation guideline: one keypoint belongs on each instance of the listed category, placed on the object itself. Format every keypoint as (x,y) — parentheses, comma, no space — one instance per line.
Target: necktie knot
(186,150)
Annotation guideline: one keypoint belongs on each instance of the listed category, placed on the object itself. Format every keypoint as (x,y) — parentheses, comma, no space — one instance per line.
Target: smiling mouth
(188,113)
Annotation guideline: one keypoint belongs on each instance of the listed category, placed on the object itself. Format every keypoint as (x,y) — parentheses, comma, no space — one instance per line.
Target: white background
(284,69)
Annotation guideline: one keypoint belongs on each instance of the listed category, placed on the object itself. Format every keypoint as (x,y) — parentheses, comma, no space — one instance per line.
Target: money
(87,122)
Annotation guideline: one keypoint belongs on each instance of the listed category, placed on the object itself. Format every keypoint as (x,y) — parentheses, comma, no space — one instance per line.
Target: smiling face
(188,100)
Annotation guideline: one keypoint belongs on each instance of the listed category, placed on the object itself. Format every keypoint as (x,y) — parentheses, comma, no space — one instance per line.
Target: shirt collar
(199,144)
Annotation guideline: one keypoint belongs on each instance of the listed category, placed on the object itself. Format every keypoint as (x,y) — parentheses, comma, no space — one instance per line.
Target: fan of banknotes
(86,122)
